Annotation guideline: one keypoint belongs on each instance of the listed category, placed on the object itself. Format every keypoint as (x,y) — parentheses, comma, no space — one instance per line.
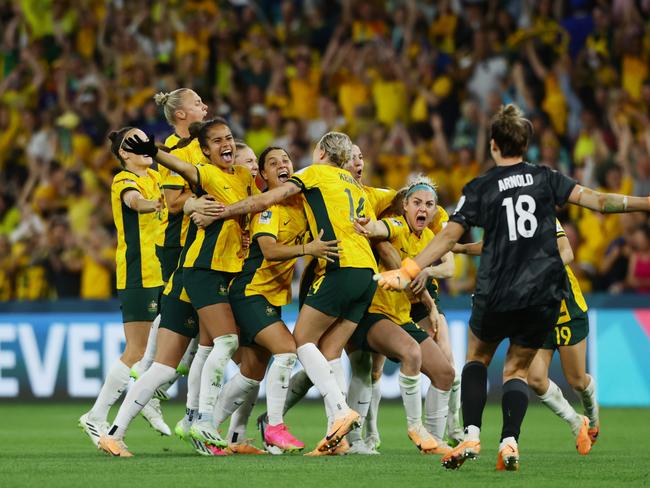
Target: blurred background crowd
(413,82)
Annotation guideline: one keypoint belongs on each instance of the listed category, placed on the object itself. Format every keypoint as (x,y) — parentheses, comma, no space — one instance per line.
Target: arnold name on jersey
(515,181)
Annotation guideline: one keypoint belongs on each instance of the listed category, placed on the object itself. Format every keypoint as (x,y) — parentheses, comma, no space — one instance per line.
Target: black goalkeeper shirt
(515,206)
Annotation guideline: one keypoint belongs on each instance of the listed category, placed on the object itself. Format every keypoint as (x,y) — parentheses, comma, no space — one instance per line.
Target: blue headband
(421,186)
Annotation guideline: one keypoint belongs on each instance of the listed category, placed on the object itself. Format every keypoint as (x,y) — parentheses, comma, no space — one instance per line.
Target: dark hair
(117,137)
(199,130)
(510,131)
(261,161)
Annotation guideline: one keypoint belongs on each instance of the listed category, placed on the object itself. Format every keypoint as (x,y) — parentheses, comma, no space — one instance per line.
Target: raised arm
(261,201)
(607,202)
(148,148)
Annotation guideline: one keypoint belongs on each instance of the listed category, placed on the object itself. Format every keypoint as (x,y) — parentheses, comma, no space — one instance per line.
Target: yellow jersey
(286,223)
(397,305)
(333,199)
(137,263)
(219,246)
(439,220)
(379,198)
(576,304)
(174,226)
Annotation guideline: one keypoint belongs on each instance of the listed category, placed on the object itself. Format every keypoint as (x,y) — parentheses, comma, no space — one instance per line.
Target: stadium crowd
(412,82)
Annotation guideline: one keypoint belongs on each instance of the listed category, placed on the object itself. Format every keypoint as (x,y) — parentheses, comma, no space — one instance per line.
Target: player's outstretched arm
(261,201)
(441,244)
(471,248)
(608,202)
(148,147)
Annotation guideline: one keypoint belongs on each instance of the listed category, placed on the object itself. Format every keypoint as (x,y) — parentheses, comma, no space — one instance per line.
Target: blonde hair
(419,182)
(337,147)
(170,102)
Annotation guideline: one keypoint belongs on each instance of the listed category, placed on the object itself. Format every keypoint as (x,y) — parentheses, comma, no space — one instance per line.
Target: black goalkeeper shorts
(528,327)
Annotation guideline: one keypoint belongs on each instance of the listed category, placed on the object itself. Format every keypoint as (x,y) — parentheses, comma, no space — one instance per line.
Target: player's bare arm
(471,248)
(148,147)
(260,202)
(440,245)
(607,202)
(566,253)
(275,251)
(135,201)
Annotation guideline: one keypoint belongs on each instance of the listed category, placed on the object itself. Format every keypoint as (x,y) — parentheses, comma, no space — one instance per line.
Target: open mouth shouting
(227,155)
(283,175)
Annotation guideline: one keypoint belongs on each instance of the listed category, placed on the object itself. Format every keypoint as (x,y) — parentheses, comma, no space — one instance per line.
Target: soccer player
(246,157)
(137,206)
(388,328)
(438,404)
(520,283)
(182,107)
(341,291)
(213,258)
(261,289)
(569,338)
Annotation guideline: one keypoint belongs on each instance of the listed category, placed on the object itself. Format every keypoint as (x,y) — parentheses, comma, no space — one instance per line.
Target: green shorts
(206,286)
(139,304)
(419,311)
(253,314)
(360,336)
(178,316)
(344,293)
(568,333)
(168,257)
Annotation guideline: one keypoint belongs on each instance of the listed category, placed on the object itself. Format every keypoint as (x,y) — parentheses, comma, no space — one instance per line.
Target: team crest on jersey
(153,306)
(223,290)
(269,311)
(265,217)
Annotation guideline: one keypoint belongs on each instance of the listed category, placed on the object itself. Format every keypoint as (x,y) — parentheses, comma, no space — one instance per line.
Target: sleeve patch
(265,217)
(396,222)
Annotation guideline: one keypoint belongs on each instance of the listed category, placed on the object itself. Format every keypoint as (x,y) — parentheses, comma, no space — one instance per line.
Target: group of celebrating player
(225,254)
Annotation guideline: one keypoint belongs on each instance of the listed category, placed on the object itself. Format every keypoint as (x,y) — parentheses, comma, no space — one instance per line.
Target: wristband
(410,267)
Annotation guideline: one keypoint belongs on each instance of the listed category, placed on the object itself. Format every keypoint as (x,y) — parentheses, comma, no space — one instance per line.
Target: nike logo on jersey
(285,223)
(515,181)
(226,187)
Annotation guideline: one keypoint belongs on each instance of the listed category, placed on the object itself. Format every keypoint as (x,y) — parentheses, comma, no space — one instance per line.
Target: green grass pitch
(41,446)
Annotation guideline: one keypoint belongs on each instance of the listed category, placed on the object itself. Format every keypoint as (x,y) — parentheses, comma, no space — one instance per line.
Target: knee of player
(133,352)
(411,356)
(578,381)
(253,371)
(228,341)
(446,377)
(537,382)
(376,375)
